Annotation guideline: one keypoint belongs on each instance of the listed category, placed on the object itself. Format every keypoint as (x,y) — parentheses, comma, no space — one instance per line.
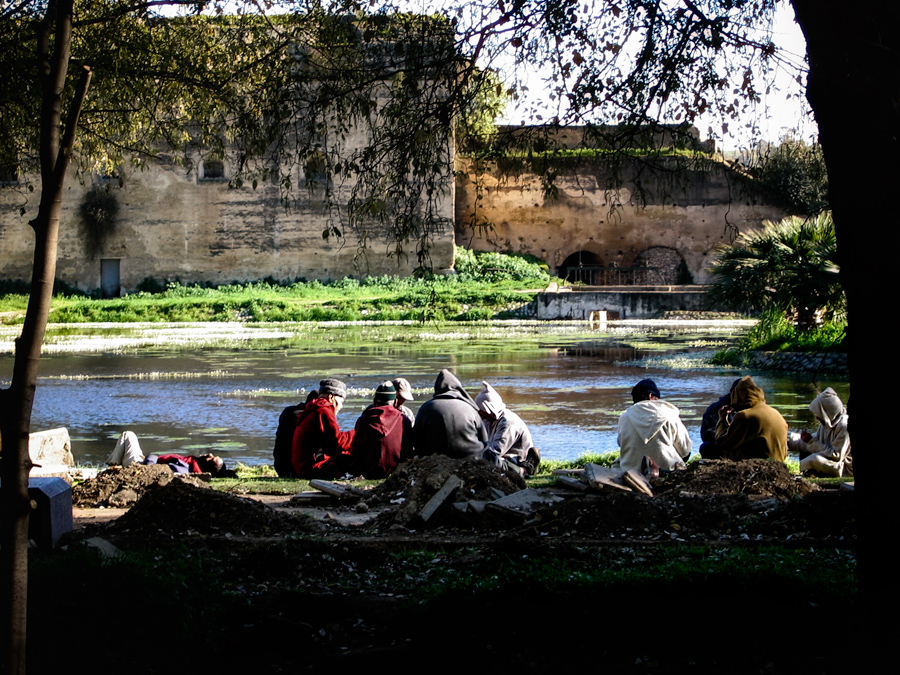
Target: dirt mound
(180,509)
(118,486)
(752,499)
(415,482)
(758,477)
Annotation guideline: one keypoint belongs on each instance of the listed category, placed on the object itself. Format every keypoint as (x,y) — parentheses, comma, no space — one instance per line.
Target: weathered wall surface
(691,216)
(634,303)
(172,224)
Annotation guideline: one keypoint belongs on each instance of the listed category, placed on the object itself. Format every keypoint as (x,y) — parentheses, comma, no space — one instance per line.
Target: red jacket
(318,441)
(376,447)
(189,460)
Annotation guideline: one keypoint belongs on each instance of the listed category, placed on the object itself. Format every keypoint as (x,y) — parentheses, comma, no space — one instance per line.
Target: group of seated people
(740,425)
(310,444)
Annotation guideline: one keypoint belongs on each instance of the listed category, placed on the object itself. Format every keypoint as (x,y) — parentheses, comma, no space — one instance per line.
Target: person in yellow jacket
(750,428)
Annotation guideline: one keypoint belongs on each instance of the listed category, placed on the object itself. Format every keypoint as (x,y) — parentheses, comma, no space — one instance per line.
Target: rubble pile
(123,486)
(439,490)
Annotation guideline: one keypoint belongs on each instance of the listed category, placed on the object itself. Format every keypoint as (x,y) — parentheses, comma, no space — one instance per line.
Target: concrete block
(52,517)
(51,452)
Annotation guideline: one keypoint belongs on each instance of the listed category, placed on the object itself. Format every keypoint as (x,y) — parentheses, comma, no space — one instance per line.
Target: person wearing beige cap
(320,449)
(404,394)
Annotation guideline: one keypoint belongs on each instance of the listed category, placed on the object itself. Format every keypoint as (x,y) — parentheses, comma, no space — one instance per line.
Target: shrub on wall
(99,211)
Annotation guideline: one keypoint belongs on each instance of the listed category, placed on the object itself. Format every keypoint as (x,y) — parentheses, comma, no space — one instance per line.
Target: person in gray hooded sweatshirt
(508,436)
(449,423)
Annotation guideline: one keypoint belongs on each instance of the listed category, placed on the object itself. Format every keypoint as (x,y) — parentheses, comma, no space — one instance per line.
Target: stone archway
(666,268)
(577,267)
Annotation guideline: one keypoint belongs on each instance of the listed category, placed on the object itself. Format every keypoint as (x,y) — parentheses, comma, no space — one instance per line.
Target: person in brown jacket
(750,428)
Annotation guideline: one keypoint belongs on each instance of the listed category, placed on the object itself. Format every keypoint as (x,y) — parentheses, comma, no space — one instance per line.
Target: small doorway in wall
(580,266)
(109,278)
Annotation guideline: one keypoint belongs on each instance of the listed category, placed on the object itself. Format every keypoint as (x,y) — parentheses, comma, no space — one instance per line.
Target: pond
(193,388)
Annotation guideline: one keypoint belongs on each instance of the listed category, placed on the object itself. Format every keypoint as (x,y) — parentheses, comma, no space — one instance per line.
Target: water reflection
(223,392)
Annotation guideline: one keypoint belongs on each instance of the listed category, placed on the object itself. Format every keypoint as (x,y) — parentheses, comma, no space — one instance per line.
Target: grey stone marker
(53,516)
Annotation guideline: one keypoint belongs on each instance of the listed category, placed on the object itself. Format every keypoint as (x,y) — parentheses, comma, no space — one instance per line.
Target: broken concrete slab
(572,483)
(526,500)
(51,452)
(311,499)
(104,546)
(440,497)
(599,477)
(637,482)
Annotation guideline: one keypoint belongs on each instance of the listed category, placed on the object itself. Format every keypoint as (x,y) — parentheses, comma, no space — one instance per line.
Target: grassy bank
(775,333)
(486,286)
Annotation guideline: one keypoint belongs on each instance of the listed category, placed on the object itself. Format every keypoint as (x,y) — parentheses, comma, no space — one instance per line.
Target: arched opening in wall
(663,266)
(581,266)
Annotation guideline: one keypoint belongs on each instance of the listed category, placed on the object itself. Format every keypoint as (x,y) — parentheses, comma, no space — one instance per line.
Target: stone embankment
(831,362)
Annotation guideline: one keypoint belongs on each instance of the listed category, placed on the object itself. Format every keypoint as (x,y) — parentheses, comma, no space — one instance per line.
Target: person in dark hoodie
(708,424)
(284,436)
(755,430)
(320,449)
(449,423)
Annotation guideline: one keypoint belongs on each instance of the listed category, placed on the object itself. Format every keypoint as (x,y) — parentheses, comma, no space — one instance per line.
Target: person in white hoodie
(652,428)
(827,452)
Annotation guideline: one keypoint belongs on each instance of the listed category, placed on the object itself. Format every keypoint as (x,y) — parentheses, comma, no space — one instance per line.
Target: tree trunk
(17,401)
(854,91)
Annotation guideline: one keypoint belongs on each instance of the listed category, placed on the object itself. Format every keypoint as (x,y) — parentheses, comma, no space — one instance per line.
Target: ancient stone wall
(175,223)
(682,217)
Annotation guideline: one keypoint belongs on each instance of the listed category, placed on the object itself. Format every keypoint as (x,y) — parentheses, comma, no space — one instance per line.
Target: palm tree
(789,266)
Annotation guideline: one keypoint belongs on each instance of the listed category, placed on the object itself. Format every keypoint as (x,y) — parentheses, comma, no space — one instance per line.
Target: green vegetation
(776,333)
(793,175)
(486,286)
(789,268)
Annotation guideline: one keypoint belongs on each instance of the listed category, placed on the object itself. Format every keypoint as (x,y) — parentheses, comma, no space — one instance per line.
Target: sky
(784,111)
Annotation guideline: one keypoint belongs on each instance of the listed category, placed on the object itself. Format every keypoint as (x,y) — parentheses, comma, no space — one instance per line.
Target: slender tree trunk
(854,90)
(17,401)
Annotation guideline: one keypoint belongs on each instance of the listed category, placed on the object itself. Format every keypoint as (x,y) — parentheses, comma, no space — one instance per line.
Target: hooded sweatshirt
(832,440)
(449,423)
(376,447)
(508,435)
(652,429)
(757,431)
(318,441)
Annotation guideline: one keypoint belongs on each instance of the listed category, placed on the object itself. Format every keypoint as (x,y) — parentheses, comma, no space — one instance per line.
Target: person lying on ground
(128,451)
(404,394)
(651,428)
(509,439)
(320,449)
(284,436)
(708,449)
(208,463)
(380,431)
(449,423)
(827,452)
(749,428)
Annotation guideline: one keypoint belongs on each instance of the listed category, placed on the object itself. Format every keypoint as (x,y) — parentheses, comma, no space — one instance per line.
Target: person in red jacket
(320,449)
(380,435)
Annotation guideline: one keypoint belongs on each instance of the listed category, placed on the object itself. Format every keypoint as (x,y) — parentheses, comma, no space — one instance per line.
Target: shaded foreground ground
(728,569)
